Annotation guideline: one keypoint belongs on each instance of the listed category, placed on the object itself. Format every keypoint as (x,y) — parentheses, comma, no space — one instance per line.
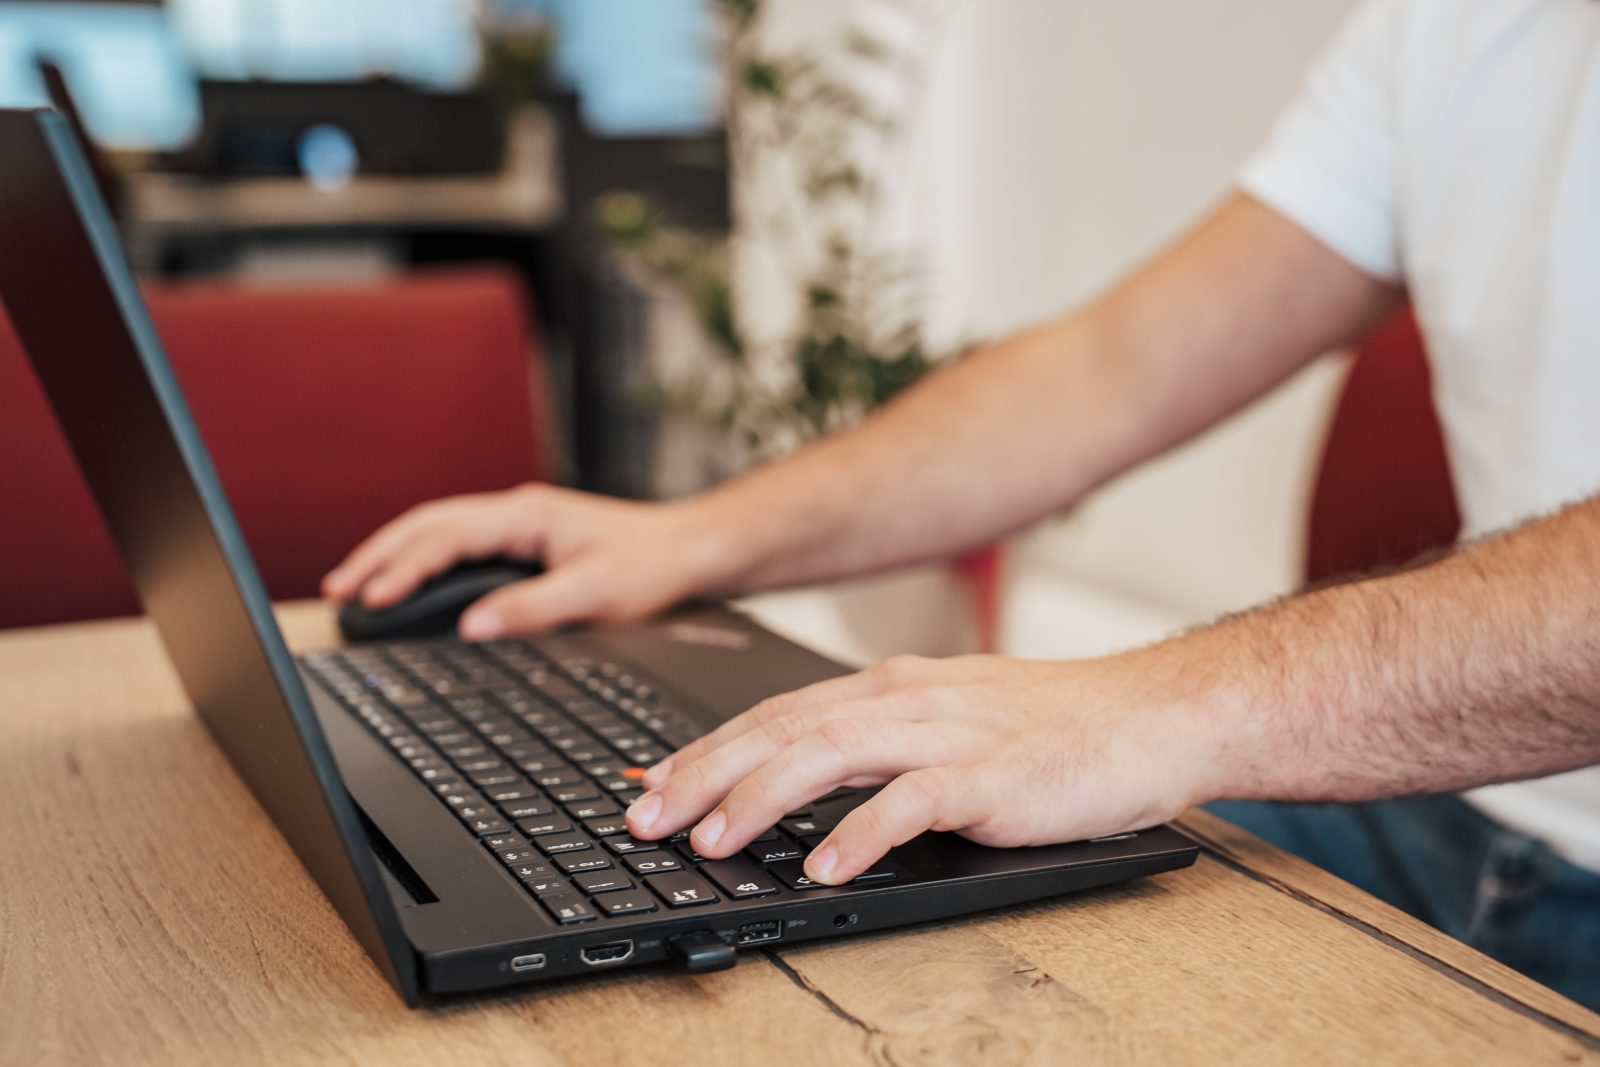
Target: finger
(567,594)
(750,784)
(932,798)
(434,548)
(349,576)
(411,564)
(863,754)
(832,692)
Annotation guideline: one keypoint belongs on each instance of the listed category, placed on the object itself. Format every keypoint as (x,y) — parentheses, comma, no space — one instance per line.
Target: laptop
(459,804)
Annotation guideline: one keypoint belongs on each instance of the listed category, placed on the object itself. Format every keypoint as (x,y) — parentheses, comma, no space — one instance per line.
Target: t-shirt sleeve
(1331,163)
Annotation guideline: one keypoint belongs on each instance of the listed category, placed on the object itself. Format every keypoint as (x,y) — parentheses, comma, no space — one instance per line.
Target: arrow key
(739,878)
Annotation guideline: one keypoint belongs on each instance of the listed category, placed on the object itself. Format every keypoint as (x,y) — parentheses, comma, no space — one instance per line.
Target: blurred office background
(1044,147)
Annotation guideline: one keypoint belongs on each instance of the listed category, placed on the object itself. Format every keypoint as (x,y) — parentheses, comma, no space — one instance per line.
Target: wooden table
(149,913)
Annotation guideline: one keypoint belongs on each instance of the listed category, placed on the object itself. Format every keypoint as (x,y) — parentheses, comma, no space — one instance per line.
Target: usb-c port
(527,963)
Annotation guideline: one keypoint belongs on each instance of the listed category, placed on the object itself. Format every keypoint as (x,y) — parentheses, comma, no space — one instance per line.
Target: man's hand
(608,560)
(1005,752)
(1482,667)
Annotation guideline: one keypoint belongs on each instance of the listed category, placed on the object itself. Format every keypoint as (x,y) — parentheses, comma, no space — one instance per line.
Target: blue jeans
(1438,858)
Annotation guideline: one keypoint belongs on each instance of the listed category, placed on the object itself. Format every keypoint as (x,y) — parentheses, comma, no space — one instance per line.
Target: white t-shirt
(1454,145)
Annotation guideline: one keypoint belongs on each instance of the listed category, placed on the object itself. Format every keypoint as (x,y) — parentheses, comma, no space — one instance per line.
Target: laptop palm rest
(473,900)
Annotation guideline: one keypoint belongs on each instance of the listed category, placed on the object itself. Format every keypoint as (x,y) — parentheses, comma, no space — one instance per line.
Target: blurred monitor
(428,43)
(639,67)
(127,70)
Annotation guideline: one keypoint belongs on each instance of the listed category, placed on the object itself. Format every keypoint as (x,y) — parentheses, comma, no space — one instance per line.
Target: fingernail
(710,831)
(820,865)
(644,811)
(481,626)
(658,774)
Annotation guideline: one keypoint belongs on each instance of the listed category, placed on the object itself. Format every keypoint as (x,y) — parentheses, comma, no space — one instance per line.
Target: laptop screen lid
(77,310)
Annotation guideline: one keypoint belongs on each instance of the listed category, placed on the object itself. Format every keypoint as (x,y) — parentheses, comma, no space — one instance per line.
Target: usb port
(610,952)
(527,963)
(759,933)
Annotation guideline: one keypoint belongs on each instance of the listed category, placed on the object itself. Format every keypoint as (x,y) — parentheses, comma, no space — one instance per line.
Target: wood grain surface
(149,913)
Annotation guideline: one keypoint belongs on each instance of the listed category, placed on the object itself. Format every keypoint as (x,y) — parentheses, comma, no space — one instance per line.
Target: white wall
(1062,142)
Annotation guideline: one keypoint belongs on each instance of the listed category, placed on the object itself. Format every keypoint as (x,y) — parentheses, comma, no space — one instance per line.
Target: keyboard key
(739,878)
(653,863)
(775,852)
(546,884)
(607,881)
(453,737)
(574,862)
(627,903)
(592,809)
(552,778)
(555,844)
(570,793)
(527,872)
(793,875)
(500,841)
(486,780)
(567,908)
(511,857)
(623,845)
(477,808)
(516,789)
(606,827)
(681,890)
(543,825)
(489,825)
(811,824)
(531,808)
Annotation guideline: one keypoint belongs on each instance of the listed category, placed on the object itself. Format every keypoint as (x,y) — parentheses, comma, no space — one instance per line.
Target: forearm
(982,447)
(1026,427)
(1483,667)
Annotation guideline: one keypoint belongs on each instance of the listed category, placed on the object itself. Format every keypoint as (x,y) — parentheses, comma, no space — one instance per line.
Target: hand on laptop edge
(1004,752)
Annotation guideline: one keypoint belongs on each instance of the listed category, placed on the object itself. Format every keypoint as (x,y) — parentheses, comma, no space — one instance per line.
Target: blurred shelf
(526,194)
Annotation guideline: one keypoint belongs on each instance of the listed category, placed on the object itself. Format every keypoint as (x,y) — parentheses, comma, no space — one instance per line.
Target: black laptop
(459,804)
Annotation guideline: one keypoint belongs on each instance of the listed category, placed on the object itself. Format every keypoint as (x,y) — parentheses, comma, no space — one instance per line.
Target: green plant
(516,65)
(858,336)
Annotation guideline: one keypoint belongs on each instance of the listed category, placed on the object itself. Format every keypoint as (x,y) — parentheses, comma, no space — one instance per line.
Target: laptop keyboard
(538,751)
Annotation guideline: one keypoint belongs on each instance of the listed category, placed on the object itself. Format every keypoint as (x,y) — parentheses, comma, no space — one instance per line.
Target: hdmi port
(610,952)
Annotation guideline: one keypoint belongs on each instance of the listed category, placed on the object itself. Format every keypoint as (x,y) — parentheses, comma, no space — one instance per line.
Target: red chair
(326,410)
(1383,492)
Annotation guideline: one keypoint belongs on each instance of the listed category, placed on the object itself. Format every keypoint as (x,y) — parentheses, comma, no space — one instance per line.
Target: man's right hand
(608,560)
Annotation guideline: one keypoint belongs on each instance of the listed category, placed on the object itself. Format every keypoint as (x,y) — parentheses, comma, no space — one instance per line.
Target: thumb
(563,595)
